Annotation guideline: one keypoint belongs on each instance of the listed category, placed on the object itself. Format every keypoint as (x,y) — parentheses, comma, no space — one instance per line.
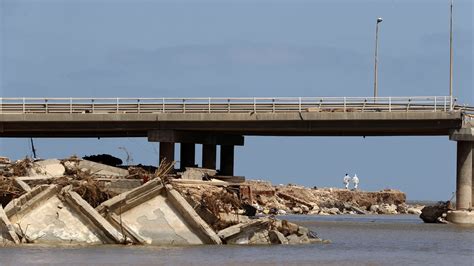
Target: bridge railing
(226,105)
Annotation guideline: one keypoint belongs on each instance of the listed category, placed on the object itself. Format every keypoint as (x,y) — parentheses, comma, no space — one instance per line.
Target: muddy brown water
(356,240)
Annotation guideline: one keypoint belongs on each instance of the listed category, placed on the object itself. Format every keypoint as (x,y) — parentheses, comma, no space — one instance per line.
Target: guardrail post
(273,105)
(184,105)
(344,104)
(163,106)
(254,105)
(435,103)
(70,105)
(228,105)
(408,105)
(445,103)
(299,104)
(24,108)
(117,107)
(1,105)
(138,105)
(46,106)
(390,104)
(93,105)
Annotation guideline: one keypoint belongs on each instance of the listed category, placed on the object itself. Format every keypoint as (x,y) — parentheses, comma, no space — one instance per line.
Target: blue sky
(248,48)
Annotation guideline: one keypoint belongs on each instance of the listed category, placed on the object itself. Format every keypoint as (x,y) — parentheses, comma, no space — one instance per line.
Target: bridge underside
(276,124)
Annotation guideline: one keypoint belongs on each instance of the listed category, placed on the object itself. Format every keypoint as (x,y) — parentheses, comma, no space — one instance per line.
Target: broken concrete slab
(119,186)
(234,230)
(101,169)
(45,216)
(7,232)
(49,168)
(149,215)
(193,173)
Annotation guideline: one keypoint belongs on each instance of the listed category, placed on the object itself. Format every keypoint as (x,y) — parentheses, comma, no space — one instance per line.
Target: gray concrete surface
(272,124)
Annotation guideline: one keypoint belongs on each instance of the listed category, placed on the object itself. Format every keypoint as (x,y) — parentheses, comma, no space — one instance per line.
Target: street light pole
(451,57)
(376,55)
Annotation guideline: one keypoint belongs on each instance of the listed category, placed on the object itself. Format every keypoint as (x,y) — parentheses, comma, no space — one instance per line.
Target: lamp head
(379,20)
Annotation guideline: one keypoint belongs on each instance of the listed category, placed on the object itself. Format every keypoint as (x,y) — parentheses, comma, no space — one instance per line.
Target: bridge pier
(187,155)
(464,176)
(189,139)
(227,160)
(167,151)
(209,156)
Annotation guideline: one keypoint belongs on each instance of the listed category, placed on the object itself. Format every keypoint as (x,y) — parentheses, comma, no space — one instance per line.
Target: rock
(333,211)
(374,208)
(277,237)
(413,211)
(302,231)
(260,238)
(297,210)
(387,209)
(402,208)
(430,214)
(305,208)
(296,240)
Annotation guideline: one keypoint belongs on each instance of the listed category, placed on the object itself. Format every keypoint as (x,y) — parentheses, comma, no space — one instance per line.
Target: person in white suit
(355,180)
(346,180)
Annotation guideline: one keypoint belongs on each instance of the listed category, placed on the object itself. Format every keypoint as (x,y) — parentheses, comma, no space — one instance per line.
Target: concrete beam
(192,218)
(167,151)
(209,156)
(187,155)
(194,137)
(6,228)
(464,175)
(227,160)
(79,204)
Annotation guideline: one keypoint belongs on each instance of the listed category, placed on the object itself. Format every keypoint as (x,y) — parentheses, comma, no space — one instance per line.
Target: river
(356,240)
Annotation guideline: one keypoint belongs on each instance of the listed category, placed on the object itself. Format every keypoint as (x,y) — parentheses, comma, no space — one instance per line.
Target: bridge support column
(187,155)
(167,151)
(227,160)
(209,156)
(464,175)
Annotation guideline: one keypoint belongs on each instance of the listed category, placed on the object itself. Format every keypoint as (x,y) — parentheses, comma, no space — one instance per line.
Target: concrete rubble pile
(76,201)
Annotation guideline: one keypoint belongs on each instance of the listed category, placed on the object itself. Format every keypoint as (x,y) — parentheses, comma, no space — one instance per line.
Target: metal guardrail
(226,105)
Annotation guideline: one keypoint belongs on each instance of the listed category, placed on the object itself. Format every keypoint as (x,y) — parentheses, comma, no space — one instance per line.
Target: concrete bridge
(225,122)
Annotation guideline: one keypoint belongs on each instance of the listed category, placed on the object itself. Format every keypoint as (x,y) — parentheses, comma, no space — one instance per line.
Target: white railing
(226,105)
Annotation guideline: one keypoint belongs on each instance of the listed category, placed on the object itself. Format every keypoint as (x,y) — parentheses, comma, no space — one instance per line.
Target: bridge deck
(107,117)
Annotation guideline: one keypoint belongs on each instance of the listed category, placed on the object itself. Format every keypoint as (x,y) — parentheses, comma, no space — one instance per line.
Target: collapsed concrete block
(102,169)
(7,232)
(197,173)
(49,168)
(240,233)
(47,215)
(151,215)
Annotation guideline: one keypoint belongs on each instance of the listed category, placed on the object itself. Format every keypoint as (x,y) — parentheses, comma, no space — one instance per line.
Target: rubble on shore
(76,201)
